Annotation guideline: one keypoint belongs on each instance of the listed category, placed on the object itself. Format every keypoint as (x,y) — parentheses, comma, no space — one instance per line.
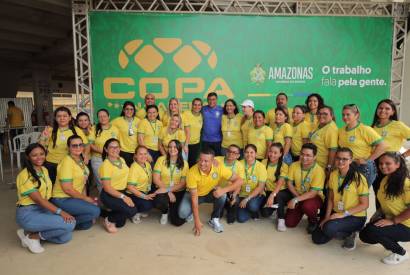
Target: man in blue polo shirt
(211,135)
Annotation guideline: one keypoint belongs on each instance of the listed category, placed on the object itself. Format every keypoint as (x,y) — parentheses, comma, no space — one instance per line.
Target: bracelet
(58,211)
(347,213)
(142,196)
(169,189)
(295,200)
(122,196)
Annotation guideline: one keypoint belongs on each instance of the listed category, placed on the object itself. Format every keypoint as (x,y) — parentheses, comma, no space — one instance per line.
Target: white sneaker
(281,225)
(32,244)
(137,218)
(394,258)
(189,219)
(164,219)
(216,225)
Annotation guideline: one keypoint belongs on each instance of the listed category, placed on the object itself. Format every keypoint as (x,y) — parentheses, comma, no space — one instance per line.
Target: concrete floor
(149,248)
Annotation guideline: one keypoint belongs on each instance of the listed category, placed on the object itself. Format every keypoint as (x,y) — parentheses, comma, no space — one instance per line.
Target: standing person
(169,176)
(68,192)
(139,184)
(325,137)
(113,176)
(305,181)
(276,191)
(149,99)
(192,120)
(174,108)
(170,132)
(15,119)
(148,132)
(82,121)
(127,124)
(38,218)
(364,142)
(55,139)
(202,181)
(283,133)
(348,199)
(247,120)
(231,126)
(300,131)
(251,195)
(281,101)
(391,222)
(260,135)
(211,135)
(313,102)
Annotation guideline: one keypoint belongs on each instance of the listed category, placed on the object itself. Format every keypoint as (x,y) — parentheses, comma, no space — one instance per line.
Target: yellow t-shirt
(351,193)
(247,124)
(300,131)
(324,138)
(307,179)
(151,133)
(236,167)
(69,171)
(312,121)
(280,132)
(165,137)
(394,134)
(271,179)
(254,175)
(392,207)
(259,137)
(141,113)
(171,175)
(194,122)
(26,184)
(127,135)
(140,177)
(15,116)
(231,131)
(117,174)
(103,136)
(271,114)
(204,183)
(360,140)
(56,154)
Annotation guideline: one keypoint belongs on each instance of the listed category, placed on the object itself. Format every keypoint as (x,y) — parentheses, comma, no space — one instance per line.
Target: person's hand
(218,192)
(243,203)
(325,220)
(232,201)
(172,197)
(292,204)
(335,216)
(150,197)
(384,222)
(67,217)
(197,228)
(376,216)
(361,161)
(46,133)
(86,159)
(128,201)
(149,158)
(270,200)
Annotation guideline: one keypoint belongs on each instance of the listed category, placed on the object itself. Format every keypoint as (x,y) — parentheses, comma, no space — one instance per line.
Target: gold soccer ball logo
(149,57)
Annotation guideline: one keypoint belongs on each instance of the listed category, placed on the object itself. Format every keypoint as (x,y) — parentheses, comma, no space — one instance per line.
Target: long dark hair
(80,114)
(106,144)
(127,103)
(234,104)
(396,180)
(320,100)
(55,124)
(353,173)
(27,163)
(392,105)
(180,160)
(280,160)
(98,127)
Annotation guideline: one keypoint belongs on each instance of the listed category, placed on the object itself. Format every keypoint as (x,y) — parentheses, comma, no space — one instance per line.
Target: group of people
(288,163)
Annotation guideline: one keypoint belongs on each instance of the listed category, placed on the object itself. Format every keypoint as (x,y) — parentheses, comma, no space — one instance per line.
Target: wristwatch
(122,196)
(58,211)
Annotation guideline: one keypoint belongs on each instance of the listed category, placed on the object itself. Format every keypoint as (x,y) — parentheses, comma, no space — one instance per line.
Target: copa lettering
(183,85)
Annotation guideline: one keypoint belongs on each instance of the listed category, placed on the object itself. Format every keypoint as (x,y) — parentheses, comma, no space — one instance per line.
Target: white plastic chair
(1,162)
(33,137)
(20,143)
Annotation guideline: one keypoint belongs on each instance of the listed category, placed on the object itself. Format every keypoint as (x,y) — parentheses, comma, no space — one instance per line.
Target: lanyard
(82,165)
(154,129)
(303,180)
(277,128)
(246,170)
(172,170)
(232,166)
(146,171)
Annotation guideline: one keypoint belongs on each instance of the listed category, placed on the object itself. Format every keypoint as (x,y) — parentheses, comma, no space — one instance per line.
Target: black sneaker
(350,242)
(311,227)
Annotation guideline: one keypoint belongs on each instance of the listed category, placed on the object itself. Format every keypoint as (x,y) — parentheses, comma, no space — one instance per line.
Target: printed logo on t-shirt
(214,175)
(352,138)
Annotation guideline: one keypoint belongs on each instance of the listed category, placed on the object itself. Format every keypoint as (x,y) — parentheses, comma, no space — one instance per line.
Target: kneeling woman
(113,174)
(251,195)
(68,191)
(38,218)
(391,222)
(139,183)
(169,176)
(347,203)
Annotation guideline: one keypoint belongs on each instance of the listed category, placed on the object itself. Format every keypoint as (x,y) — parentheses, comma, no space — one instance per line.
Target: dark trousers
(128,157)
(231,209)
(162,203)
(141,204)
(282,198)
(120,211)
(338,228)
(387,236)
(377,181)
(155,155)
(216,146)
(193,153)
(52,170)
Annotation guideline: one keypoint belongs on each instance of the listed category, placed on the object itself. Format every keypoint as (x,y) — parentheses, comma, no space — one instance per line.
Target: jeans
(51,227)
(251,209)
(338,228)
(282,198)
(83,212)
(287,159)
(309,207)
(141,204)
(162,203)
(95,165)
(193,150)
(120,211)
(388,236)
(369,170)
(185,208)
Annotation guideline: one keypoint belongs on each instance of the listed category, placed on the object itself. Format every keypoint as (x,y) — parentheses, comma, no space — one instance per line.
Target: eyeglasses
(79,145)
(129,109)
(114,147)
(233,152)
(342,159)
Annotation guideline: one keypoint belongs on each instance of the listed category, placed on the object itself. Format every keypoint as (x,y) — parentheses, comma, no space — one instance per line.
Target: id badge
(62,137)
(247,188)
(228,134)
(130,132)
(340,206)
(155,139)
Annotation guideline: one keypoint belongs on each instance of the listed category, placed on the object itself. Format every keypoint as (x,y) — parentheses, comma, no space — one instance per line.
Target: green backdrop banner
(345,59)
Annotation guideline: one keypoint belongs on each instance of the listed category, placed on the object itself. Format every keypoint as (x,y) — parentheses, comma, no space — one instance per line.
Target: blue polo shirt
(211,129)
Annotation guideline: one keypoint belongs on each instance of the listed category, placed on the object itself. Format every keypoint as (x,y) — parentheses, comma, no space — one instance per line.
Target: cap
(249,103)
